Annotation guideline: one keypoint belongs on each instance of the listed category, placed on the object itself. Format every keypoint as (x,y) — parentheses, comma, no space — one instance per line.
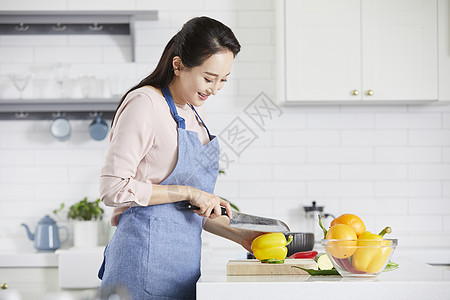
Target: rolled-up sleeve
(131,138)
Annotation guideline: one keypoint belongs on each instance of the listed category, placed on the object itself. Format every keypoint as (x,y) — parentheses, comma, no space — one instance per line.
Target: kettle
(46,236)
(312,214)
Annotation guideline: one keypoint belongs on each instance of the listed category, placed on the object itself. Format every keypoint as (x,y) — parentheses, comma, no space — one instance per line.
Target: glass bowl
(359,258)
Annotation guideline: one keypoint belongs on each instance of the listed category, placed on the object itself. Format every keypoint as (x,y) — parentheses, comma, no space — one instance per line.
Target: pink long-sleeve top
(143,149)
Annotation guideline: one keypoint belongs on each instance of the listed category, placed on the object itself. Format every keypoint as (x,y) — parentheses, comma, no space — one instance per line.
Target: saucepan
(303,241)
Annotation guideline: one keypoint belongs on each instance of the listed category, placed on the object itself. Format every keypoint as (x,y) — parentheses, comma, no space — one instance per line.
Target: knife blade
(250,222)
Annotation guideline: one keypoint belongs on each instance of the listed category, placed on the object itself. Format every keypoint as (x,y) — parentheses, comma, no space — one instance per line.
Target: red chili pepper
(304,254)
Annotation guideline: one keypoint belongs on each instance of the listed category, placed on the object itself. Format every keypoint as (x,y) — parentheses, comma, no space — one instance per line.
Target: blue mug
(98,128)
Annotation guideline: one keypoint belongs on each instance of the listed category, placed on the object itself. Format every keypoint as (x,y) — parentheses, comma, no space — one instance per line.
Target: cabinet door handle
(370,93)
(355,92)
(3,286)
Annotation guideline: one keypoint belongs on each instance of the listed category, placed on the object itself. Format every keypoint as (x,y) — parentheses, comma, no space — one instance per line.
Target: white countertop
(412,280)
(28,259)
(36,259)
(50,259)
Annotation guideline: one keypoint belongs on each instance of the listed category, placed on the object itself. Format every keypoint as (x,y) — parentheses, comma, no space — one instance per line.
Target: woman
(161,156)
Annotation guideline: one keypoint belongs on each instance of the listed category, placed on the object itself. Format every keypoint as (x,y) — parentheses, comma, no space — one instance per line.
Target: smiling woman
(161,154)
(196,84)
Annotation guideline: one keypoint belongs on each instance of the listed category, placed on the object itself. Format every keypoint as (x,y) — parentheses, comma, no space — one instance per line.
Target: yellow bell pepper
(271,247)
(373,258)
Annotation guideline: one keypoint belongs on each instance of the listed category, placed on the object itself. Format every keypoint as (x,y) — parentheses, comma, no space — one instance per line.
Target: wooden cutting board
(255,267)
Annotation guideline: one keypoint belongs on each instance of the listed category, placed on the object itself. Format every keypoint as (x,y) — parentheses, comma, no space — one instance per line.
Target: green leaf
(61,207)
(85,210)
(231,204)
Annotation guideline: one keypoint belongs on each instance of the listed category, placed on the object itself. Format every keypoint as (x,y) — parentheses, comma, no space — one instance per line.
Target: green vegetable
(391,266)
(273,261)
(323,228)
(314,272)
(323,261)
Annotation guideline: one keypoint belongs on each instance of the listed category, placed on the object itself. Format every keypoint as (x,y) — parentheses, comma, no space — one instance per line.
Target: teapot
(46,236)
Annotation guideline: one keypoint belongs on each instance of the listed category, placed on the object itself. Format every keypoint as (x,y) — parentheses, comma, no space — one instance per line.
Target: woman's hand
(221,227)
(207,203)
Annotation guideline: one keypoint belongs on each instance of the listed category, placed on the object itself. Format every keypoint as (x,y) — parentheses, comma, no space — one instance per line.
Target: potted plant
(86,217)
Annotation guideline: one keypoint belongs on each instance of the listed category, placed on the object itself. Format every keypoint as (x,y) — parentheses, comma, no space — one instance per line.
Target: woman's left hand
(248,237)
(221,227)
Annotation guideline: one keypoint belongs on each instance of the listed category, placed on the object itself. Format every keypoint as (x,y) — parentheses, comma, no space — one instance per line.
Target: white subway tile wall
(388,164)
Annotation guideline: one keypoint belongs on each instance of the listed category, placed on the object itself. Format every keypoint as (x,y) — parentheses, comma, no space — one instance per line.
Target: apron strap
(168,96)
(180,121)
(209,134)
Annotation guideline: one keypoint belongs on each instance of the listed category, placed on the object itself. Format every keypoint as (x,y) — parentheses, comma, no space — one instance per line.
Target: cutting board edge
(252,267)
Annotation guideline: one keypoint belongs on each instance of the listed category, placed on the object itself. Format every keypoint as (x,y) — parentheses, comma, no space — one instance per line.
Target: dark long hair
(198,39)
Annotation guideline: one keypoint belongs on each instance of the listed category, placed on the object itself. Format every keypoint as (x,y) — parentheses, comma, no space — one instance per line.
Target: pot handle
(329,215)
(67,233)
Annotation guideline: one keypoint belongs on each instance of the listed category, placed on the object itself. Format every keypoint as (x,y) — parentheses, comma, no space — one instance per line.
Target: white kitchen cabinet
(358,50)
(444,50)
(69,274)
(37,284)
(30,282)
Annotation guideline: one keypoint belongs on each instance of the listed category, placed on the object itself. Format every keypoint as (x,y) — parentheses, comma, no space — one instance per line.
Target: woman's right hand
(207,203)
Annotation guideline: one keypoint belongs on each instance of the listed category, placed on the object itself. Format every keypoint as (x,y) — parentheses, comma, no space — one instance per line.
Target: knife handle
(193,207)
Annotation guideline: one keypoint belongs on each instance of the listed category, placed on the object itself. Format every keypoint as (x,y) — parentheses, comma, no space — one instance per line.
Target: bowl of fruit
(354,251)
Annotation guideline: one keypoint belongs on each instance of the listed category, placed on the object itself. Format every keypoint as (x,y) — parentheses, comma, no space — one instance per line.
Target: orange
(342,241)
(353,221)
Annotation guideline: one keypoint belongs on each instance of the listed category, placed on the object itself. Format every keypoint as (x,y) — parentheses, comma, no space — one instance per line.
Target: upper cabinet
(23,23)
(444,50)
(358,50)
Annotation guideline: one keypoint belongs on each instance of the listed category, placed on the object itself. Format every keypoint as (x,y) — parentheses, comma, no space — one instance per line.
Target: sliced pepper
(373,251)
(271,247)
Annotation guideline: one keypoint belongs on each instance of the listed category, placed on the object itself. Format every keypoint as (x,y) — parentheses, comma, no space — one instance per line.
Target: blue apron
(155,250)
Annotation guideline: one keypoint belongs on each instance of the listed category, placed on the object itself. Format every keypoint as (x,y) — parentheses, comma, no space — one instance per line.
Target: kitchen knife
(249,222)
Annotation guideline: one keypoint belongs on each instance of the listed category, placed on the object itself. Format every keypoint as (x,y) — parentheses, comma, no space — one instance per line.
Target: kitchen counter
(64,274)
(435,255)
(412,280)
(42,259)
(28,259)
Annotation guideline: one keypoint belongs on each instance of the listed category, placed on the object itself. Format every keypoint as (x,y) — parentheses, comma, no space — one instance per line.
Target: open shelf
(42,109)
(74,22)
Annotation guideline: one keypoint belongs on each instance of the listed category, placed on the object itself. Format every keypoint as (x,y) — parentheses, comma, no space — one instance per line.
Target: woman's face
(195,85)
